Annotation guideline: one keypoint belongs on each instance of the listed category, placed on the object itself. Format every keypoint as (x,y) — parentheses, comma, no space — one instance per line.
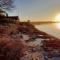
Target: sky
(39,10)
(36,9)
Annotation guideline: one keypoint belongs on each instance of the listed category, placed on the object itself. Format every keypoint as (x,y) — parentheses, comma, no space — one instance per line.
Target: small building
(5,18)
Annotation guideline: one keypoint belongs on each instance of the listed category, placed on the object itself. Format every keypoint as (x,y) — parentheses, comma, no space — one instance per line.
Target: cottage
(5,18)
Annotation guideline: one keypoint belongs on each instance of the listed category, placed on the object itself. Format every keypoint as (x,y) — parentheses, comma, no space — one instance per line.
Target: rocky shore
(22,41)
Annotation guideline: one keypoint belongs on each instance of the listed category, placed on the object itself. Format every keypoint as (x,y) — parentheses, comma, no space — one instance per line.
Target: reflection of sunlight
(58,25)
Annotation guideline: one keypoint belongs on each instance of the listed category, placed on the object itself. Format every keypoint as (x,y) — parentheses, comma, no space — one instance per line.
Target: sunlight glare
(57,18)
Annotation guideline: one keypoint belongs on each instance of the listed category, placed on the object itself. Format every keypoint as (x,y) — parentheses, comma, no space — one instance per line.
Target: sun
(57,18)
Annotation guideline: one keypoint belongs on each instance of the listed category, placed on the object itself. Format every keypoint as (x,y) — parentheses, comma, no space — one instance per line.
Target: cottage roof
(3,13)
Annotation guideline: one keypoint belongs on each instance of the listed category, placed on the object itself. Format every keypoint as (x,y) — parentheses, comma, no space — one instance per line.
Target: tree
(6,4)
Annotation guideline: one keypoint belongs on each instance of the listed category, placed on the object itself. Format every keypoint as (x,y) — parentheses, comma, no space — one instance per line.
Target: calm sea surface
(52,29)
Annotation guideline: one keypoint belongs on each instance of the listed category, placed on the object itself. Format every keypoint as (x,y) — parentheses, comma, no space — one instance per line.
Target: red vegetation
(54,44)
(16,46)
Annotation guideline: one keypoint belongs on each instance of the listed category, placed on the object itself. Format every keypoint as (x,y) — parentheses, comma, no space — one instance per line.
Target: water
(52,29)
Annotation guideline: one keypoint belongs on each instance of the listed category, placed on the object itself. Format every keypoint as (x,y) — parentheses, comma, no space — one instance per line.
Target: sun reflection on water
(57,25)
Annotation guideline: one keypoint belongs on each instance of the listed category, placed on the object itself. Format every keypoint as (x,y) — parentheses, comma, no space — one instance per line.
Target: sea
(52,29)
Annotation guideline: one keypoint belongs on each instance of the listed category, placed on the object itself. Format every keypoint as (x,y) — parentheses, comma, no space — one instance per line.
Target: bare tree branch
(6,4)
